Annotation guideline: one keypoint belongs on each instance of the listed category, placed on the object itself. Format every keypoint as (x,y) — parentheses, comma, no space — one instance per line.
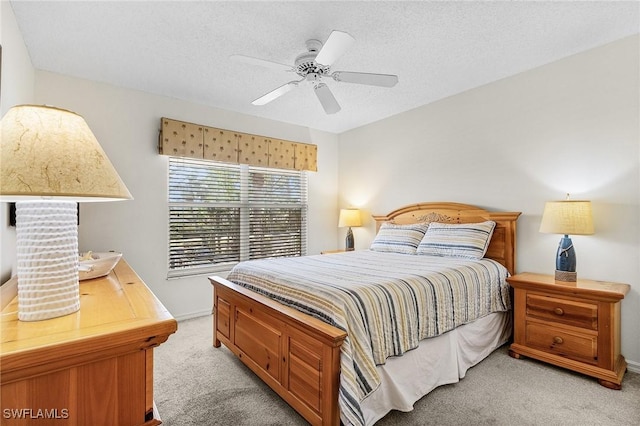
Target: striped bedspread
(386,302)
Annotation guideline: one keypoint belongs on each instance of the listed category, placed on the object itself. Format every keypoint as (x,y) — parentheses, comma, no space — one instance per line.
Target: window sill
(202,271)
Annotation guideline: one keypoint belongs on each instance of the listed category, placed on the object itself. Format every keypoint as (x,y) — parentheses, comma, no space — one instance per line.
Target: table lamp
(49,161)
(569,217)
(349,217)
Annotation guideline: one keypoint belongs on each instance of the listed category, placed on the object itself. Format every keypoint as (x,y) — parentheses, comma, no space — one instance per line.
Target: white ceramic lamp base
(47,256)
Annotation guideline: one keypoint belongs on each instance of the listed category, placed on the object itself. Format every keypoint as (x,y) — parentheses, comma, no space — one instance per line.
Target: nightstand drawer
(581,347)
(570,312)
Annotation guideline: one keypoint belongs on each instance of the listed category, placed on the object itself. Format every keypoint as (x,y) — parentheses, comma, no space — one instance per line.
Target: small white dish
(99,264)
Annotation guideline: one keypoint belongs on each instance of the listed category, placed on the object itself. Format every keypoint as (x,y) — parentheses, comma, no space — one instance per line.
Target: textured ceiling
(181,49)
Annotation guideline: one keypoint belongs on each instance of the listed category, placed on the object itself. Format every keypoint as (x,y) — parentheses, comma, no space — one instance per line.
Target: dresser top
(114,310)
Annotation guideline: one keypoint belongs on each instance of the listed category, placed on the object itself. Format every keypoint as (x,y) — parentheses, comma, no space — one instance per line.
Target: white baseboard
(193,315)
(633,366)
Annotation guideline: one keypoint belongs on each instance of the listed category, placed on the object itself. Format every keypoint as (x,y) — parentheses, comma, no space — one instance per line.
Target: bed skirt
(443,360)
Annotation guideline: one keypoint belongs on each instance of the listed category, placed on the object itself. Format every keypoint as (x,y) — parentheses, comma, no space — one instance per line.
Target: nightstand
(575,325)
(333,251)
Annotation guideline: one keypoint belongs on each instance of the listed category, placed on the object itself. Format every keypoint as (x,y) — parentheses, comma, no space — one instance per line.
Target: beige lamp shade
(49,160)
(349,217)
(569,217)
(51,152)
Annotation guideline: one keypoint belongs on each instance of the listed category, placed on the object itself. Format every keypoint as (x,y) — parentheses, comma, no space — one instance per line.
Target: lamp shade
(49,160)
(569,217)
(51,152)
(349,217)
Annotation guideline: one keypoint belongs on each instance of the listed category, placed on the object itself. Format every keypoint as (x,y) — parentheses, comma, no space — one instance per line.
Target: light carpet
(197,384)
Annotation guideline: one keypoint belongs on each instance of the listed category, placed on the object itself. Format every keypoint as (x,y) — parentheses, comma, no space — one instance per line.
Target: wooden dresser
(575,325)
(92,367)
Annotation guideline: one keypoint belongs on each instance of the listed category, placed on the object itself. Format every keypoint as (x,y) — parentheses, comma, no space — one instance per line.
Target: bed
(287,319)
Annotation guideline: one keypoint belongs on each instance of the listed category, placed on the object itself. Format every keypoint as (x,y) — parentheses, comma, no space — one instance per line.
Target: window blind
(220,214)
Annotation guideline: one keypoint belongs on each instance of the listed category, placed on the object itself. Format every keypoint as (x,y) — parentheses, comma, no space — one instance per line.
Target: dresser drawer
(581,347)
(564,311)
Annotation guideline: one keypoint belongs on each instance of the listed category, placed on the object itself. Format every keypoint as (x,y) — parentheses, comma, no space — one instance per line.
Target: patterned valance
(182,139)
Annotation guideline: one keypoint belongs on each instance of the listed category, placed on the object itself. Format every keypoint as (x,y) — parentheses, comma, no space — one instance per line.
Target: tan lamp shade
(349,217)
(569,217)
(49,160)
(51,152)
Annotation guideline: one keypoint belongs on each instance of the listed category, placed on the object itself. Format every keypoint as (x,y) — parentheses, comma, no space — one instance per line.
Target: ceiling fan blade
(335,46)
(261,62)
(326,98)
(276,93)
(383,80)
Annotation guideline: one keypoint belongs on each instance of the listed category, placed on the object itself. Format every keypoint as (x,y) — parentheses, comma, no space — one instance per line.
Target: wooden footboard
(296,355)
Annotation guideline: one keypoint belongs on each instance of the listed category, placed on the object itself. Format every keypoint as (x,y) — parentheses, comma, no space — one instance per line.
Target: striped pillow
(396,238)
(467,240)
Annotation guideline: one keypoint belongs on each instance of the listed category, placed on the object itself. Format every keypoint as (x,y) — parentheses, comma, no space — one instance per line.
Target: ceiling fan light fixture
(312,77)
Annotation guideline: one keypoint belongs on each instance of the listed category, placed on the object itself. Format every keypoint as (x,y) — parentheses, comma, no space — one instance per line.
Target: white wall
(126,123)
(16,87)
(570,126)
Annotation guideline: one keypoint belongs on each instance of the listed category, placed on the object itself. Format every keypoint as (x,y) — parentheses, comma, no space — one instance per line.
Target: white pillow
(395,238)
(466,240)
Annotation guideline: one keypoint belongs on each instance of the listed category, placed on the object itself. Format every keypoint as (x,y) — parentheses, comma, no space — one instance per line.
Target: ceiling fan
(315,65)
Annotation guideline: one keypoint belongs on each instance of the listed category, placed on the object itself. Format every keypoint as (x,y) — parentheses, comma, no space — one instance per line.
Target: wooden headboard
(502,247)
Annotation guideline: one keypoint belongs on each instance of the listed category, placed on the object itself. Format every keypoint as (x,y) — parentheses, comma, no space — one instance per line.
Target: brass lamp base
(566,276)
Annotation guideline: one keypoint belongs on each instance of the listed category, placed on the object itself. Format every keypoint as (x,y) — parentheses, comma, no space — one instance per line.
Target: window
(221,214)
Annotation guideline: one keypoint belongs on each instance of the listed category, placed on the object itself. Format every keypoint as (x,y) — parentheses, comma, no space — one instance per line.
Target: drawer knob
(558,311)
(558,340)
